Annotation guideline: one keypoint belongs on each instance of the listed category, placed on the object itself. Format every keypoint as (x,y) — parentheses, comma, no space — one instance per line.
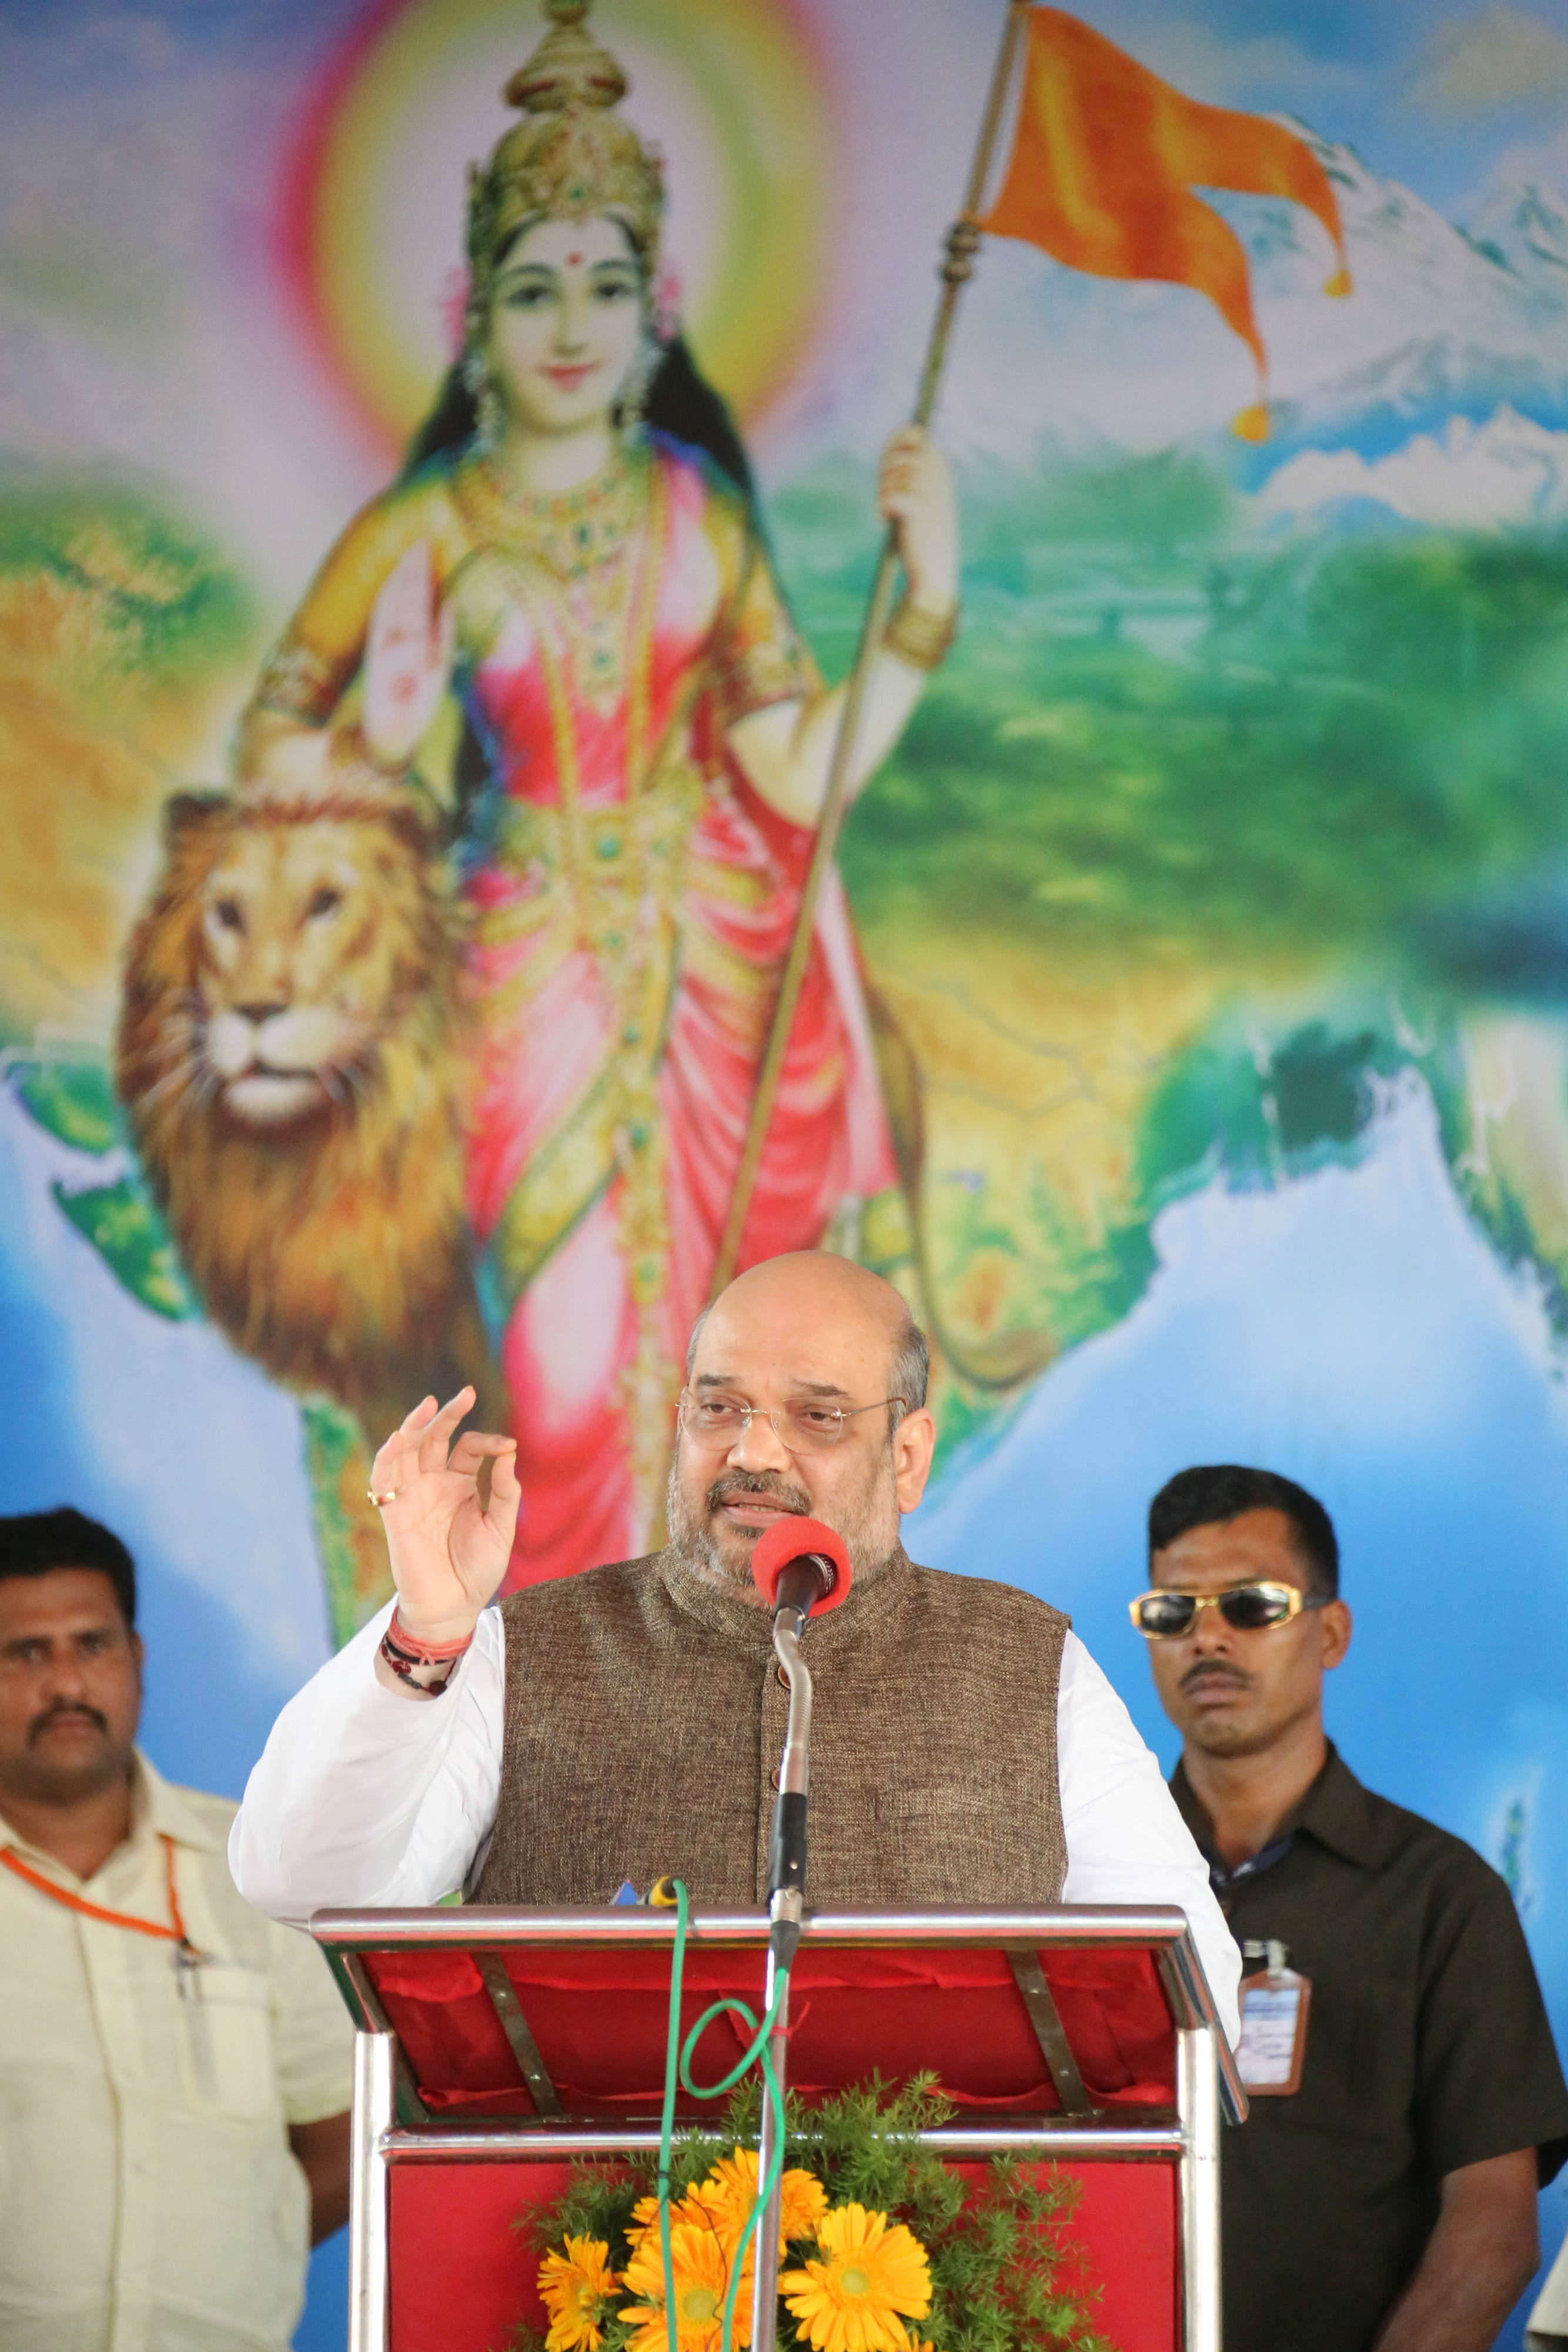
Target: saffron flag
(1105,161)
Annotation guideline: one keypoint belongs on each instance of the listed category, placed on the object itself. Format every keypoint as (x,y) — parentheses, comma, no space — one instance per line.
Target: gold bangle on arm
(921,639)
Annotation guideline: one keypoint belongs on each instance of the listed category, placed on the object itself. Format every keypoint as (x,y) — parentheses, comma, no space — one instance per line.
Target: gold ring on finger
(380,1501)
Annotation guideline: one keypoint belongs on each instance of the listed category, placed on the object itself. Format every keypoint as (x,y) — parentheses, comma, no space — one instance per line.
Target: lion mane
(291,1057)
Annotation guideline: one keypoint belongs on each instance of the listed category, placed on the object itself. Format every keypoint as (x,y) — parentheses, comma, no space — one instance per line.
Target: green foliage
(1262,1109)
(74,1102)
(1096,1284)
(163,603)
(1006,2275)
(334,1440)
(128,1235)
(71,1100)
(1161,728)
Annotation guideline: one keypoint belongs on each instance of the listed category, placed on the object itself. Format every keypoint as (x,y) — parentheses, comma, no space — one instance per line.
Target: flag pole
(962,240)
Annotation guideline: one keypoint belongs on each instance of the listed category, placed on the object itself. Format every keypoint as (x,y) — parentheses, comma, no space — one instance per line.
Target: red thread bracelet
(414,1645)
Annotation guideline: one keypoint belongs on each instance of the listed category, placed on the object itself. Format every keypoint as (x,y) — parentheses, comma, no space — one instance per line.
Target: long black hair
(681,402)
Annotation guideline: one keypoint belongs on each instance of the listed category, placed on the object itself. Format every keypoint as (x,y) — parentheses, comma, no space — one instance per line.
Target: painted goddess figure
(560,626)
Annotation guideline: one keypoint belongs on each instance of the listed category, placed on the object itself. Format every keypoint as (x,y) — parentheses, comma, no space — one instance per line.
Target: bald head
(797,1332)
(818,1290)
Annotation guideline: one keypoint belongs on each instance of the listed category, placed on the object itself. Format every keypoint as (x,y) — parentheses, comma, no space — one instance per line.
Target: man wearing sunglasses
(625,1724)
(1383,2192)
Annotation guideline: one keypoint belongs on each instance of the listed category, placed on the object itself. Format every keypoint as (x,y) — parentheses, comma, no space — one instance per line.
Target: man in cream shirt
(174,2069)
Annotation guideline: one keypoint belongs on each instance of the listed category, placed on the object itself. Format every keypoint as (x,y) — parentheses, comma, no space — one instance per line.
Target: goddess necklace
(572,533)
(577,547)
(625,880)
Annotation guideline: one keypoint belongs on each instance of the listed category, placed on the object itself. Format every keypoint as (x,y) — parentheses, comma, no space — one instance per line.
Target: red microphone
(801,1564)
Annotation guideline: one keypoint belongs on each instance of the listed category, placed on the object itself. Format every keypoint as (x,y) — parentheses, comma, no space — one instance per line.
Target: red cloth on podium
(462,2277)
(853,2012)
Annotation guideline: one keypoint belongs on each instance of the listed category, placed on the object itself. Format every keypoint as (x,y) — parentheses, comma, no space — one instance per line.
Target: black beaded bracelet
(408,1665)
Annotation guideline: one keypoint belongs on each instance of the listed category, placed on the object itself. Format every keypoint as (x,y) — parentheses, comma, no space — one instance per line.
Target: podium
(493,2047)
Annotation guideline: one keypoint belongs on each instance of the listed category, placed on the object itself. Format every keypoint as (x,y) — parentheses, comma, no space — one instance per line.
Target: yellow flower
(853,2301)
(575,2288)
(729,2193)
(644,2216)
(645,2221)
(702,2279)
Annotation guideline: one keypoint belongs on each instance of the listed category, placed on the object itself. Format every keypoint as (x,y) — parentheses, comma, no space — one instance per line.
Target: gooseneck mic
(801,1567)
(801,1564)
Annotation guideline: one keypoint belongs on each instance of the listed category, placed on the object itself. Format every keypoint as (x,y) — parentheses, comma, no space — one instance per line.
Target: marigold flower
(646,2216)
(575,2289)
(702,2280)
(872,2278)
(729,2193)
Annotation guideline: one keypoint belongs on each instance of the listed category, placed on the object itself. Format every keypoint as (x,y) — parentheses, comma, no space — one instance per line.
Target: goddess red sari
(633,901)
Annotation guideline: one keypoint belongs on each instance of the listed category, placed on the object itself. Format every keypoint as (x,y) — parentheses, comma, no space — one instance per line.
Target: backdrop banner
(1186,1024)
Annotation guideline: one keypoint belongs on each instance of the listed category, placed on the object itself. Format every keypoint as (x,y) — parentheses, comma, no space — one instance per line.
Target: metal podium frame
(391,2125)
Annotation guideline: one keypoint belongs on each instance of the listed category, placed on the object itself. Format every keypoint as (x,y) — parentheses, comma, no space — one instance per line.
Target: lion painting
(290,1056)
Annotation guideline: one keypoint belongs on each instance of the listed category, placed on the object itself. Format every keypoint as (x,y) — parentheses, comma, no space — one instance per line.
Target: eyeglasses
(802,1425)
(1165,1616)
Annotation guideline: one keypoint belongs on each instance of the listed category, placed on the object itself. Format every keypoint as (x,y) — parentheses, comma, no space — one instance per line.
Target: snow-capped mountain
(1526,229)
(1509,471)
(1440,323)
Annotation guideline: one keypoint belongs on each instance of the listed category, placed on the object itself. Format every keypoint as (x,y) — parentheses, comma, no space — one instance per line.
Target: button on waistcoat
(645,1717)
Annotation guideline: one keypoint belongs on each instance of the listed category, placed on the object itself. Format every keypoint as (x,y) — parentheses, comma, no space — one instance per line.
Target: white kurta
(363,1796)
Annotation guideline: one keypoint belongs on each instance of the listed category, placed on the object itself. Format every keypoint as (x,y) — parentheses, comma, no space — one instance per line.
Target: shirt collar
(158,1809)
(168,1811)
(1335,1810)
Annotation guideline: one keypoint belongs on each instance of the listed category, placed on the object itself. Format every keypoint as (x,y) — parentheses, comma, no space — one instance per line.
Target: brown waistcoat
(644,1720)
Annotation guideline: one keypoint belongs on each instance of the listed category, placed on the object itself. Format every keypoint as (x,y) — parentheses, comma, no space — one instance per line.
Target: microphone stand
(785,1902)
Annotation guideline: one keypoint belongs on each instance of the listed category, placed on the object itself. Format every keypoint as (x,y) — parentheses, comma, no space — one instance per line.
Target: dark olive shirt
(1428,2048)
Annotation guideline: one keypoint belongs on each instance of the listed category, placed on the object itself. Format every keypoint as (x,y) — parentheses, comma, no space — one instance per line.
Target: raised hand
(408,655)
(914,493)
(448,1552)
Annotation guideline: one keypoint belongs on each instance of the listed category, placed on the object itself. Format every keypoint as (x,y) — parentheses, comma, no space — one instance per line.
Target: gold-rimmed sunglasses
(1165,1616)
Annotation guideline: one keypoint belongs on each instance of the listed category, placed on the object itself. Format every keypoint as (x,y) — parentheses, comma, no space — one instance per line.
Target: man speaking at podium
(624,1724)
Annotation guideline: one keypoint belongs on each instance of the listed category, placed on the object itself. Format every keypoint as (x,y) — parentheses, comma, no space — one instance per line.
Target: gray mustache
(757,1481)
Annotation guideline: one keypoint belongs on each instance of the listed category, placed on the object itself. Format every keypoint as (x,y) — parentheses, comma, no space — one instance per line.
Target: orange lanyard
(79,1903)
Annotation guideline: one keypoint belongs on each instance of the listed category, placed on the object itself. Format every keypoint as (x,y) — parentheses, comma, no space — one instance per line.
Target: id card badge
(1273,2044)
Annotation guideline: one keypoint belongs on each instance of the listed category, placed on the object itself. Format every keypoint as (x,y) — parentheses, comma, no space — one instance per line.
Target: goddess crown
(570,156)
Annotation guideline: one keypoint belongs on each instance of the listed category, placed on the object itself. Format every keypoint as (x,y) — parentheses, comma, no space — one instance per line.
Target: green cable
(677,2063)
